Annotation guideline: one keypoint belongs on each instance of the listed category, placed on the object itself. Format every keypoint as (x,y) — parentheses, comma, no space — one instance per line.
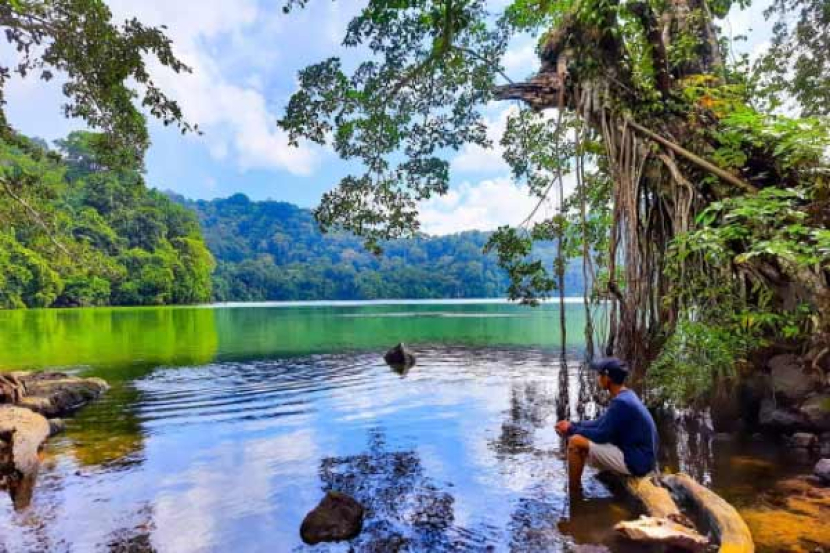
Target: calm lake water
(226,424)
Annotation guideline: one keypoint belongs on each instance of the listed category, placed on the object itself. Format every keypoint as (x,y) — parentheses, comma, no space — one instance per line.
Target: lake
(225,425)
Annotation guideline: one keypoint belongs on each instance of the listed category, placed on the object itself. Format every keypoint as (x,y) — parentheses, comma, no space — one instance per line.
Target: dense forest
(275,251)
(76,232)
(89,234)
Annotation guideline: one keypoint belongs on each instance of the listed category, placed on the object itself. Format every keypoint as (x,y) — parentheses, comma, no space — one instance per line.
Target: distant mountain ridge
(270,250)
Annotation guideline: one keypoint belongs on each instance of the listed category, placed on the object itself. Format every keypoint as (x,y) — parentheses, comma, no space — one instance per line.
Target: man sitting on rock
(623,440)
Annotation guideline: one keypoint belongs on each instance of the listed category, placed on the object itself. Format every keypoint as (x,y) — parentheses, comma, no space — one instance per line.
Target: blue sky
(245,55)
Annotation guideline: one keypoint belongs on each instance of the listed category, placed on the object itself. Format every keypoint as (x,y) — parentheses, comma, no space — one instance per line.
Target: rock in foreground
(26,399)
(338,517)
(400,356)
(663,532)
(53,393)
(22,432)
(822,470)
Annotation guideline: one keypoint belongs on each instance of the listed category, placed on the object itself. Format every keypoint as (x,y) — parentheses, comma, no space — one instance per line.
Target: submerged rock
(399,356)
(663,532)
(791,516)
(338,517)
(822,470)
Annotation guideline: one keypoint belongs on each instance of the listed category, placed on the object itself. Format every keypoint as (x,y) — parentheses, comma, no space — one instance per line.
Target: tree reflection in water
(405,509)
(134,538)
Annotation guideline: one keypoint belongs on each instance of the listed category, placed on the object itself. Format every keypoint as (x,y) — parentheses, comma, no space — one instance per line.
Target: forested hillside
(89,232)
(275,251)
(76,231)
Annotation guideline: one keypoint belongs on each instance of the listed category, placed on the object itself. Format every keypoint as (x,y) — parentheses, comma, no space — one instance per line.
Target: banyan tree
(700,212)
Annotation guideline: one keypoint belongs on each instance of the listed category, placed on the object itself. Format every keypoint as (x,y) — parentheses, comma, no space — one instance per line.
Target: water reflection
(229,454)
(124,343)
(405,508)
(136,538)
(532,405)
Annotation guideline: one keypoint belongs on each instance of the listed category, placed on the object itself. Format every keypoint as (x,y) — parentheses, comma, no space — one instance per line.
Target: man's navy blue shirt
(628,425)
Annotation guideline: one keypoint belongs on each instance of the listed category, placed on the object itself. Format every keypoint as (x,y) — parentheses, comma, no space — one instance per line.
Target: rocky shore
(30,404)
(788,397)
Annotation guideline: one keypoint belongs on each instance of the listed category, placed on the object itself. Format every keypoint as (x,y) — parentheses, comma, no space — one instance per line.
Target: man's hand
(562,427)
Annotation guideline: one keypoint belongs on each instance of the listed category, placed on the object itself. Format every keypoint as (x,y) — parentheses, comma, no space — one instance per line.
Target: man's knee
(579,444)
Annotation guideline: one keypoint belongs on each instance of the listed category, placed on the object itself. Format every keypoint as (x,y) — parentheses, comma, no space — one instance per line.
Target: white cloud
(484,206)
(521,60)
(236,118)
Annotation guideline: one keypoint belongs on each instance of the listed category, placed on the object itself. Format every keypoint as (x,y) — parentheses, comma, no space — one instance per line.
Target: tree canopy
(104,238)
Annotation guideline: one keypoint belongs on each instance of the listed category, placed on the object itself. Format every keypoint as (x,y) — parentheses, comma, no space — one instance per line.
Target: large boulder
(788,379)
(399,356)
(816,409)
(822,470)
(781,419)
(338,517)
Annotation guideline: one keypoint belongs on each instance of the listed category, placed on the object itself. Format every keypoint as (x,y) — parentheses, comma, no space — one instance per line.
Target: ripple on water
(456,454)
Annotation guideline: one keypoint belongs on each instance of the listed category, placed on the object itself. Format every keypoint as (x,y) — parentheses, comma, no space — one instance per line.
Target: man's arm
(601,430)
(592,422)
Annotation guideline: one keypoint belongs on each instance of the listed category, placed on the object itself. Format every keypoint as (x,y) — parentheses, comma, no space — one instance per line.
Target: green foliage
(27,279)
(79,233)
(695,357)
(792,148)
(773,224)
(86,291)
(752,271)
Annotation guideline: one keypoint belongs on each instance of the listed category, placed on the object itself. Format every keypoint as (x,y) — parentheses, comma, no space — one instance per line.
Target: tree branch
(35,216)
(694,158)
